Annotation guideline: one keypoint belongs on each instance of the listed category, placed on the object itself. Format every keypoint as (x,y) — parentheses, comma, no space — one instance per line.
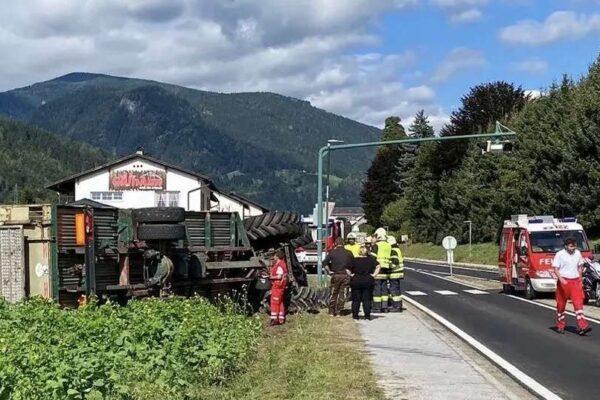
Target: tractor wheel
(271,229)
(159,215)
(161,232)
(301,241)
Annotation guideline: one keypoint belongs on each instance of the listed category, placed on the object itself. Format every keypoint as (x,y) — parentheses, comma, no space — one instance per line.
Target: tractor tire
(301,241)
(159,215)
(271,229)
(161,232)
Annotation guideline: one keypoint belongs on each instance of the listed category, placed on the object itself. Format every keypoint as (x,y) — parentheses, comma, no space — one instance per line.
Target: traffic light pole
(501,131)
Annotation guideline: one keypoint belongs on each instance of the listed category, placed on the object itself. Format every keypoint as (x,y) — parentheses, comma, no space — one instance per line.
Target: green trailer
(69,252)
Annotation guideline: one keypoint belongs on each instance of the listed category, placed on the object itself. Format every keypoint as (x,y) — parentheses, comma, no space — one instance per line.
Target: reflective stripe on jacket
(397,264)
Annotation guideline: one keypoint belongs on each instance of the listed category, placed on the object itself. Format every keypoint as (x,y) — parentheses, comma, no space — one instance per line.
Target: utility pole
(501,131)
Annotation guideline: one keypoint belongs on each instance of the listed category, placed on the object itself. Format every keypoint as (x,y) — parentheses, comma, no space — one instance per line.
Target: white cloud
(461,11)
(560,25)
(371,92)
(470,15)
(304,48)
(460,59)
(533,66)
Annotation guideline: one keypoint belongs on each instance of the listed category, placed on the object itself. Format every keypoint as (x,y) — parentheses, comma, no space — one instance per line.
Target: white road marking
(509,368)
(416,293)
(445,292)
(552,308)
(475,291)
(509,295)
(441,277)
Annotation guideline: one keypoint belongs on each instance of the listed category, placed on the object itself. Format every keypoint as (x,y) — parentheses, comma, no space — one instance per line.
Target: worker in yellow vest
(382,251)
(396,274)
(351,244)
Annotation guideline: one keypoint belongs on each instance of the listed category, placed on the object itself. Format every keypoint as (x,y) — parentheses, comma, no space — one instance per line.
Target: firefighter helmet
(380,234)
(391,240)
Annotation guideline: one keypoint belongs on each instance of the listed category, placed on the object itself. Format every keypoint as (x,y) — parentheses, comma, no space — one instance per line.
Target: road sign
(449,243)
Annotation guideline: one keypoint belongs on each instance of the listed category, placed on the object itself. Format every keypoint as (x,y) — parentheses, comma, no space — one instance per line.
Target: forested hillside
(31,158)
(260,144)
(554,168)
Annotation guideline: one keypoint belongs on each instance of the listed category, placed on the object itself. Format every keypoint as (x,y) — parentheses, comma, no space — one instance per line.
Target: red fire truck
(527,247)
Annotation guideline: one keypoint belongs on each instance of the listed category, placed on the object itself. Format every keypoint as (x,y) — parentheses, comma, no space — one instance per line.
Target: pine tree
(380,189)
(420,128)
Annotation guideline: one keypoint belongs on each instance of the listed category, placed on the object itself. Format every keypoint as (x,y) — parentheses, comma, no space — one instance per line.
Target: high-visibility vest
(384,254)
(397,264)
(353,248)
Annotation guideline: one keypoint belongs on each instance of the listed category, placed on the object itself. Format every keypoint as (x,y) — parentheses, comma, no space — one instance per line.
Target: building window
(107,196)
(166,199)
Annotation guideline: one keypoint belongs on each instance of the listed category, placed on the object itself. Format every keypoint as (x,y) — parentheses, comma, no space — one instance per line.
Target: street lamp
(329,143)
(470,231)
(501,131)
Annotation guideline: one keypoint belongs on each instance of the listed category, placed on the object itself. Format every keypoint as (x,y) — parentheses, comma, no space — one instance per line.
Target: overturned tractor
(69,252)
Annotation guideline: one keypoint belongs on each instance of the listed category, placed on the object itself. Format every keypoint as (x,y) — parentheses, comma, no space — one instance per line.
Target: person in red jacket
(278,277)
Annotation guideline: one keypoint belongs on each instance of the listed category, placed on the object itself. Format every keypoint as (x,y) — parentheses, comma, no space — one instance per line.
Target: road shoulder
(416,358)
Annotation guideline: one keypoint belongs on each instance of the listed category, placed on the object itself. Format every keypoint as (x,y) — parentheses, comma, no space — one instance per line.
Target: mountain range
(261,144)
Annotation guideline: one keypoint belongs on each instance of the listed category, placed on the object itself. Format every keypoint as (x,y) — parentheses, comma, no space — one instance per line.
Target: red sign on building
(138,180)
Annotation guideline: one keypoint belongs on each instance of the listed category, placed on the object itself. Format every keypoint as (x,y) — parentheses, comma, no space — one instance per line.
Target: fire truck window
(553,241)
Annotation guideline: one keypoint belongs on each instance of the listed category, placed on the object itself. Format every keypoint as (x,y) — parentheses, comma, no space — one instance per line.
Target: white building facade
(138,181)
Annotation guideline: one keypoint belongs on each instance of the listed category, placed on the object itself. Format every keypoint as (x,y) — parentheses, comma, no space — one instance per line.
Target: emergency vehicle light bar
(569,219)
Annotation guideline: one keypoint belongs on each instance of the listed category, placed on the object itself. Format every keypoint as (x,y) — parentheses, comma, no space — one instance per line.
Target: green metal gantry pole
(325,150)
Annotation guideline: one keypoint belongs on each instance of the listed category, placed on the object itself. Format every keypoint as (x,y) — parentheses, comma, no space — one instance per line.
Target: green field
(482,253)
(177,349)
(151,349)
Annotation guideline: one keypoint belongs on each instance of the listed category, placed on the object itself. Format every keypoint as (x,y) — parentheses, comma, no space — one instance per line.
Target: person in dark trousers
(336,263)
(363,270)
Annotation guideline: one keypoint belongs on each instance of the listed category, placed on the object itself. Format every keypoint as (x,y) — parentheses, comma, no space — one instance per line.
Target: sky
(363,59)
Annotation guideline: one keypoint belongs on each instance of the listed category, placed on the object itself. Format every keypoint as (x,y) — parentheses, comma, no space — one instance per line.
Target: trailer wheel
(159,215)
(530,293)
(161,232)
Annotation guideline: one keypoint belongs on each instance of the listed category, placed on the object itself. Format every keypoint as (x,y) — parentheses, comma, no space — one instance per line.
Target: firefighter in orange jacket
(278,277)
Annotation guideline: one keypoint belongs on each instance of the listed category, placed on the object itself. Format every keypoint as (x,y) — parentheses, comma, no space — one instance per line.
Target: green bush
(150,349)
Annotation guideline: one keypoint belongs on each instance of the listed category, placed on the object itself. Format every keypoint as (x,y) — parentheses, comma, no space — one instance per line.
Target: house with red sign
(138,180)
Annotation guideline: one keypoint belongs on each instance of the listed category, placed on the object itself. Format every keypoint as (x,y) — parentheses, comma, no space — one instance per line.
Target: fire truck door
(522,251)
(509,254)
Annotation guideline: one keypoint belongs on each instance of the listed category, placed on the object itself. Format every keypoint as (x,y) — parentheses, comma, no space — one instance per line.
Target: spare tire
(158,215)
(161,232)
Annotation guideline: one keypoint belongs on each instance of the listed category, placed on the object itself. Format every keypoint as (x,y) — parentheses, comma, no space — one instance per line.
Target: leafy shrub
(150,349)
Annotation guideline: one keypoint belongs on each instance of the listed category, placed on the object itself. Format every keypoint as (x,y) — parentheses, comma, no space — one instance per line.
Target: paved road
(518,331)
(444,269)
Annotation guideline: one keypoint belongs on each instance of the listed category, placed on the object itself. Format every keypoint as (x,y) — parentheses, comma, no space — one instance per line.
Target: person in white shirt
(568,266)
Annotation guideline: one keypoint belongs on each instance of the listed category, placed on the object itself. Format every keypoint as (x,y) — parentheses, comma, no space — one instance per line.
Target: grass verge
(482,253)
(312,357)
